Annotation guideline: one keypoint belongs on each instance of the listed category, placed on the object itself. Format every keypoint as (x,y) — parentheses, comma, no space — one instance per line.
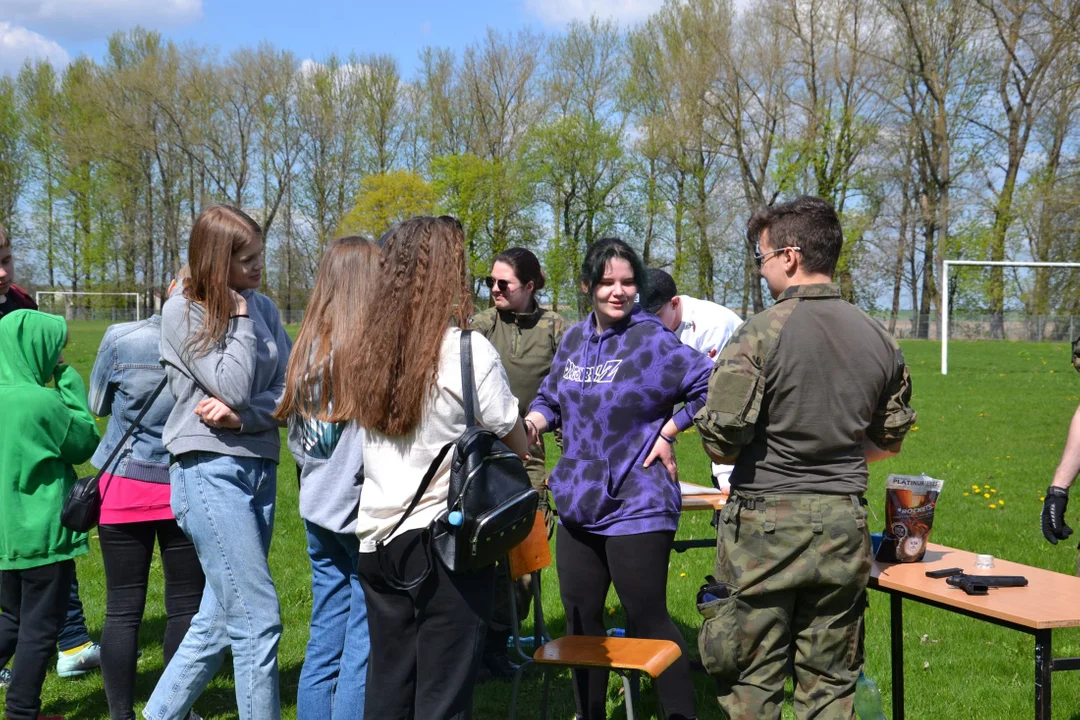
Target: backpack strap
(468,390)
(127,433)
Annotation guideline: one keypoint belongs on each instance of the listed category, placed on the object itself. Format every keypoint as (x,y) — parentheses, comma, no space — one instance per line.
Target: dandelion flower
(993,506)
(682,574)
(966,494)
(986,495)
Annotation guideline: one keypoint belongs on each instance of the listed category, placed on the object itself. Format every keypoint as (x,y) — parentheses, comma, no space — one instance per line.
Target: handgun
(981,584)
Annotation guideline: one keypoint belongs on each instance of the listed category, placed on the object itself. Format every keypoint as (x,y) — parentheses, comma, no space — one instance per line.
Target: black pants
(127,551)
(33,604)
(637,564)
(426,643)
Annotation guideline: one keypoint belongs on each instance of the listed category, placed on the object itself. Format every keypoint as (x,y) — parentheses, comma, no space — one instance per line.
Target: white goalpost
(137,296)
(983,263)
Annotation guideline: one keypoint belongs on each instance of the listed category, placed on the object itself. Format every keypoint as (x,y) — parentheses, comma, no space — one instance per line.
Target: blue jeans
(334,676)
(226,506)
(74,633)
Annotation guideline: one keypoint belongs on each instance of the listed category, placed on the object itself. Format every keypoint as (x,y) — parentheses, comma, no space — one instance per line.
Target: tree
(385,200)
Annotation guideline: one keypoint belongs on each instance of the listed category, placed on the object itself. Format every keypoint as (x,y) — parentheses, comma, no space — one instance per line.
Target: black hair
(807,222)
(525,265)
(604,250)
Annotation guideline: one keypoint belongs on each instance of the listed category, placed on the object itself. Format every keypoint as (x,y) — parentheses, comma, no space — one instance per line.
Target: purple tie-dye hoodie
(612,393)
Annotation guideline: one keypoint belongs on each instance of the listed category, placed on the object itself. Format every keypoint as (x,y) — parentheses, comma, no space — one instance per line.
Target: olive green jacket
(526,343)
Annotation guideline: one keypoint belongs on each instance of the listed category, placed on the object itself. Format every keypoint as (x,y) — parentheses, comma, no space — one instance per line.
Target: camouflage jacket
(1076,354)
(526,343)
(796,390)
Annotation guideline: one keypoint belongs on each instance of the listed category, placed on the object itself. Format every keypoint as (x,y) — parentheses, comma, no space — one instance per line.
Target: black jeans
(33,604)
(127,551)
(426,643)
(588,564)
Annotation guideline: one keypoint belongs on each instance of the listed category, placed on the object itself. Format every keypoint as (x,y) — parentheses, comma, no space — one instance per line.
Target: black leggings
(127,551)
(587,564)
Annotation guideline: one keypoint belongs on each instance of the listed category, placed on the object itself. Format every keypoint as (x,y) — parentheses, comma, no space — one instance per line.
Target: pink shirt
(124,500)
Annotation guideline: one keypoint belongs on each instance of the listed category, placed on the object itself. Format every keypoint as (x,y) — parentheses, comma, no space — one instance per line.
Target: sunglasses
(759,257)
(504,285)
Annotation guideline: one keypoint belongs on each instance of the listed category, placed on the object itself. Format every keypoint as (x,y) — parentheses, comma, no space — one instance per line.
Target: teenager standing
(225,353)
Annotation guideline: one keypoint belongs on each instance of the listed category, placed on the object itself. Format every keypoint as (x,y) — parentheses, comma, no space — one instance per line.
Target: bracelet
(669,440)
(233,317)
(531,424)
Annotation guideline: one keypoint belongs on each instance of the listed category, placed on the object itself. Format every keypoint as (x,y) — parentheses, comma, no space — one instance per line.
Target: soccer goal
(981,263)
(98,303)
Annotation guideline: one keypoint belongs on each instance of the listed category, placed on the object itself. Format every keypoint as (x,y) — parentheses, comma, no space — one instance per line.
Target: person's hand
(217,414)
(239,303)
(665,452)
(535,425)
(1053,515)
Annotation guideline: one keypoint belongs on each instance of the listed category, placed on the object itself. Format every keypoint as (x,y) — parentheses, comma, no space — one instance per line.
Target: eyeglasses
(759,257)
(504,285)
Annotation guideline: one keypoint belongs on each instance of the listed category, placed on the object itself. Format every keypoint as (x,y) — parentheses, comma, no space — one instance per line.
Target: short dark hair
(603,250)
(526,266)
(660,289)
(807,222)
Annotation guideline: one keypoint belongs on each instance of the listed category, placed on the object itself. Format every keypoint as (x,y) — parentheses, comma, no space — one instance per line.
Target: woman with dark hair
(321,394)
(526,337)
(425,641)
(225,352)
(613,389)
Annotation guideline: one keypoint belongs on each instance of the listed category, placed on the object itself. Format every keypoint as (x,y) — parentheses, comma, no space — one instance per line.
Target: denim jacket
(126,371)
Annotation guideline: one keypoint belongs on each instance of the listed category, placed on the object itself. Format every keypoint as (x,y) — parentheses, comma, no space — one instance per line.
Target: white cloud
(17,44)
(560,12)
(91,19)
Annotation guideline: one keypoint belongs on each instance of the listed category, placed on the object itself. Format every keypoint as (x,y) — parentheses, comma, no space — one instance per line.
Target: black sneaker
(498,667)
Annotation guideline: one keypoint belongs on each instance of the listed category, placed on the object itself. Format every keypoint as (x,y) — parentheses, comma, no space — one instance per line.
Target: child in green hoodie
(46,431)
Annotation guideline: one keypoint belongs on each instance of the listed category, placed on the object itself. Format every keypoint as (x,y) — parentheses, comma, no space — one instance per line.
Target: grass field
(997,421)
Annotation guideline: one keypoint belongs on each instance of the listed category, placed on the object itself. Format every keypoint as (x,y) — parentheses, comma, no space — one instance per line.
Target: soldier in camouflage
(801,398)
(1076,354)
(526,336)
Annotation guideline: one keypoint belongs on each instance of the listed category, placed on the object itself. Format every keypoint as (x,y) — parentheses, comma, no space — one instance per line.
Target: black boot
(496,663)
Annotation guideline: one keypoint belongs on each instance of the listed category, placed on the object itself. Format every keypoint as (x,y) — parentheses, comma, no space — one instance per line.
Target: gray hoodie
(330,458)
(245,370)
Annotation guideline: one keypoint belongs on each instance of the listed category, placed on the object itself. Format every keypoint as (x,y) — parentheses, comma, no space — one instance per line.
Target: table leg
(1044,665)
(896,606)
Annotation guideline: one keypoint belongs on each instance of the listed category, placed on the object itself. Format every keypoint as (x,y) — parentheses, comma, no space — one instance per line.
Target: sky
(62,30)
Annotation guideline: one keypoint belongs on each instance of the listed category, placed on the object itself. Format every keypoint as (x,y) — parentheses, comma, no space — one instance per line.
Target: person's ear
(791,261)
(675,302)
(530,287)
(584,288)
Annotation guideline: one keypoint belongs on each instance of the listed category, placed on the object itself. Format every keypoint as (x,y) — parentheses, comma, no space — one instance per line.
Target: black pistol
(981,584)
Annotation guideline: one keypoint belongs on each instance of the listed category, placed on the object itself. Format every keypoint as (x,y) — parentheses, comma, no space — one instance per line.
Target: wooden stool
(627,656)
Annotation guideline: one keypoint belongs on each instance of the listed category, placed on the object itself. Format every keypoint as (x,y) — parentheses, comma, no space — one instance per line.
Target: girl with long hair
(321,394)
(425,642)
(225,353)
(614,387)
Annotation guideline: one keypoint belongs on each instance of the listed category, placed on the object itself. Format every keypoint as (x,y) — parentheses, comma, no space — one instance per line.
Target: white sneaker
(73,664)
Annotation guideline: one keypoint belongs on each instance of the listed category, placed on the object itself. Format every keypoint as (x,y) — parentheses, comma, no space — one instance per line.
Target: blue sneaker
(78,661)
(5,678)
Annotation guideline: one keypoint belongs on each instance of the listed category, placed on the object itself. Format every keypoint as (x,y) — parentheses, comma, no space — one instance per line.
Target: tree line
(937,128)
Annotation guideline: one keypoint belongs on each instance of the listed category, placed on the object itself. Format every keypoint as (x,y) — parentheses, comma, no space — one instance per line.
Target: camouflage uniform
(1076,354)
(793,547)
(526,342)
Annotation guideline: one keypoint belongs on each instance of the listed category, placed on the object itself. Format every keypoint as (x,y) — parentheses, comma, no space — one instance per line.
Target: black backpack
(491,504)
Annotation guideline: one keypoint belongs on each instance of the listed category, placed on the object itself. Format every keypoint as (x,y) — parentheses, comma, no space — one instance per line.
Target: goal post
(981,263)
(73,293)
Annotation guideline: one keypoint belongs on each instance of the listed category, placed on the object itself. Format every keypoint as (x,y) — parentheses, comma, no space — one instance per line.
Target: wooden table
(691,501)
(1049,601)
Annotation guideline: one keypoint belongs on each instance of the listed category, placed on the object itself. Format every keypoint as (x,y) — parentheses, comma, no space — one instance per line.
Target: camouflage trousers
(796,569)
(500,620)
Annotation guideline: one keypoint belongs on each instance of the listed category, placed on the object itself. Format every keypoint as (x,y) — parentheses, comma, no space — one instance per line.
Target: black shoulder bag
(491,504)
(82,506)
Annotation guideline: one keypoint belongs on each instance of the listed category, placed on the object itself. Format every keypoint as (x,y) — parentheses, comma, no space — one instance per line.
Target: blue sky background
(65,29)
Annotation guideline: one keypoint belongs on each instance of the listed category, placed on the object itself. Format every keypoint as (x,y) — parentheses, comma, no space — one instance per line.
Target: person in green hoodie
(46,432)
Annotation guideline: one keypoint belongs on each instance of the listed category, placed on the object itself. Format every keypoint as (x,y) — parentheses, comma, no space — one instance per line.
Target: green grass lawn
(998,419)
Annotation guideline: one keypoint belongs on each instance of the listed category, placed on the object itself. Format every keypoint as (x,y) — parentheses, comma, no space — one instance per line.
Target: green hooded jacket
(44,433)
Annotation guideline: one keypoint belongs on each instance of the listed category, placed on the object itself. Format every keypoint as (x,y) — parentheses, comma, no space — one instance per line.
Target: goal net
(103,306)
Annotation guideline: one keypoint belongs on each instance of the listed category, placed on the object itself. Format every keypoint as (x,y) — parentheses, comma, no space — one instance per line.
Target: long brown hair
(321,379)
(422,288)
(218,233)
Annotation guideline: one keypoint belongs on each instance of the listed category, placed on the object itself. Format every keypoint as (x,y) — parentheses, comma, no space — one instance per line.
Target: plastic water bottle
(868,699)
(616,632)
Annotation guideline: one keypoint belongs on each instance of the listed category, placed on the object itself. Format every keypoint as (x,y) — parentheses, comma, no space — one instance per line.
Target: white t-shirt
(394,466)
(706,326)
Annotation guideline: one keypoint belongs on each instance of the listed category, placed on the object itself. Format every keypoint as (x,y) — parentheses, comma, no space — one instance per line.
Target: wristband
(233,317)
(670,441)
(531,424)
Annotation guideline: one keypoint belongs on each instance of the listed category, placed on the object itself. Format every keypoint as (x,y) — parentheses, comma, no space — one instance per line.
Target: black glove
(1053,515)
